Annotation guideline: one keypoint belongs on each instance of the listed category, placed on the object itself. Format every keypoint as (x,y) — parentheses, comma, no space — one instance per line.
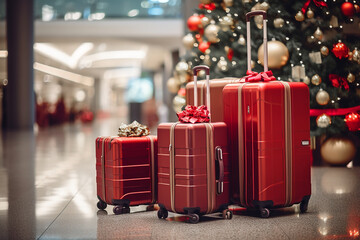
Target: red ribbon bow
(318,3)
(193,114)
(258,77)
(338,81)
(209,6)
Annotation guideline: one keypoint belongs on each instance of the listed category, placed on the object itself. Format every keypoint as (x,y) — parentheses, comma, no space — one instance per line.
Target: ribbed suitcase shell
(191,182)
(128,169)
(216,88)
(261,165)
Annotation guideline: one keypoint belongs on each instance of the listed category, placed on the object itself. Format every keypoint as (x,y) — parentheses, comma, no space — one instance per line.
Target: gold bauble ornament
(279,22)
(223,65)
(310,13)
(323,121)
(324,50)
(338,151)
(225,23)
(356,55)
(322,97)
(259,19)
(173,85)
(316,79)
(178,103)
(299,16)
(205,21)
(357,8)
(242,40)
(211,33)
(278,54)
(307,80)
(318,34)
(228,3)
(188,41)
(350,78)
(182,67)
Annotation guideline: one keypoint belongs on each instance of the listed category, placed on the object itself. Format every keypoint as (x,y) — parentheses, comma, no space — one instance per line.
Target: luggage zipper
(220,181)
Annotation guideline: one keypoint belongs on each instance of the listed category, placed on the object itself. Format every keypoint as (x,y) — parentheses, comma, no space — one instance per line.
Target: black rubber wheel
(194,218)
(118,209)
(162,213)
(264,212)
(101,205)
(303,206)
(126,209)
(227,214)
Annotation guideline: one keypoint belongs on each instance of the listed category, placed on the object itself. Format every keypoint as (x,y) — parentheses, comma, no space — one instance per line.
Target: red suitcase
(125,171)
(216,100)
(269,131)
(193,168)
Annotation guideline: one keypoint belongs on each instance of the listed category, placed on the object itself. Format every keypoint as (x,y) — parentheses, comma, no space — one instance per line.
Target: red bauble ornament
(230,54)
(353,121)
(203,46)
(340,50)
(194,23)
(347,9)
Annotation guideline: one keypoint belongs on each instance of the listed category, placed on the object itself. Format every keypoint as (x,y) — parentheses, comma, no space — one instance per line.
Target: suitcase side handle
(220,181)
(248,38)
(207,71)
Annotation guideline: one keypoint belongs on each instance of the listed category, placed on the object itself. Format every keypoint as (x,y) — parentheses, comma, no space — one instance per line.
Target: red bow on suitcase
(193,114)
(259,77)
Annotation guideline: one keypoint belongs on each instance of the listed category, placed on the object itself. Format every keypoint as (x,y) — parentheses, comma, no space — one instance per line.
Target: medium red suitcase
(193,168)
(216,100)
(269,131)
(126,171)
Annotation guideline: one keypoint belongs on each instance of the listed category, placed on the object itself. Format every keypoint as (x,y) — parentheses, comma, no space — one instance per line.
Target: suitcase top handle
(207,71)
(248,39)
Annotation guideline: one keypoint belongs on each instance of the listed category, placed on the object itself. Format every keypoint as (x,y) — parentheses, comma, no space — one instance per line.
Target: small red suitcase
(193,168)
(126,171)
(269,132)
(216,100)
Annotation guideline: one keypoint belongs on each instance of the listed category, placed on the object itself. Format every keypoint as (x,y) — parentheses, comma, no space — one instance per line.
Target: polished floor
(47,191)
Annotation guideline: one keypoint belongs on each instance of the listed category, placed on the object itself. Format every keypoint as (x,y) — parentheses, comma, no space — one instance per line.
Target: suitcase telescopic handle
(248,38)
(220,181)
(207,72)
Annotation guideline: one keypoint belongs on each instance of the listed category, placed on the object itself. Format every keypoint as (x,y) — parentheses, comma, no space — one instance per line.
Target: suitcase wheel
(194,218)
(303,206)
(227,214)
(120,209)
(101,205)
(162,213)
(264,212)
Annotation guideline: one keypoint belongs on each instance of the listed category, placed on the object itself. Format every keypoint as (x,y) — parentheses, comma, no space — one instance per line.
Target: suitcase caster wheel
(303,206)
(118,209)
(264,212)
(126,209)
(162,213)
(194,218)
(227,214)
(101,205)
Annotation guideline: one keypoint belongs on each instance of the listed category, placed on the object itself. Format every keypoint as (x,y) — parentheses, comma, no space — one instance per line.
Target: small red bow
(259,77)
(209,6)
(318,3)
(338,81)
(193,114)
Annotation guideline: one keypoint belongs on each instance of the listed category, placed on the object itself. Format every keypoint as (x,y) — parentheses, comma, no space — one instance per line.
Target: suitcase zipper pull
(220,181)
(170,147)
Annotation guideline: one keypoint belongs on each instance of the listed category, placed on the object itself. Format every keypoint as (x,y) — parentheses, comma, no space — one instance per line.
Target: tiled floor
(47,191)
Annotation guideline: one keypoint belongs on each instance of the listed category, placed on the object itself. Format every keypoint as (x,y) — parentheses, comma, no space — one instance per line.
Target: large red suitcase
(216,100)
(193,168)
(269,135)
(126,171)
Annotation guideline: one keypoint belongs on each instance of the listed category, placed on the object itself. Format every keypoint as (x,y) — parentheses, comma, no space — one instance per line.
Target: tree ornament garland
(340,50)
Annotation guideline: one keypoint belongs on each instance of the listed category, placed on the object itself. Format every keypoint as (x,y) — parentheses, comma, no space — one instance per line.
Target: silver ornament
(318,34)
(211,33)
(205,21)
(223,65)
(279,22)
(188,41)
(322,97)
(226,22)
(323,121)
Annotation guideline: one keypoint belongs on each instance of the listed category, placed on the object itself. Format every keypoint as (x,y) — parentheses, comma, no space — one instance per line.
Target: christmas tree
(331,58)
(217,38)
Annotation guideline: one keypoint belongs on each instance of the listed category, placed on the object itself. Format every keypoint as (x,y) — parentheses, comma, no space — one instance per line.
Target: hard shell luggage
(126,171)
(216,100)
(193,168)
(269,135)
